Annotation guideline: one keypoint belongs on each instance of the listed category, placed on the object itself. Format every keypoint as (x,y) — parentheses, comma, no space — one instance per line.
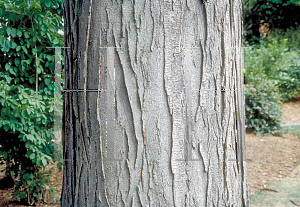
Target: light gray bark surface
(177,139)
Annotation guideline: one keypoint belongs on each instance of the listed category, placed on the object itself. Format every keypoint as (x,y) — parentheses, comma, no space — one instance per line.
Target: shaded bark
(178,136)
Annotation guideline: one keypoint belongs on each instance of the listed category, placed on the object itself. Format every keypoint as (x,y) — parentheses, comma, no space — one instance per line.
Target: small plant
(26,139)
(263,113)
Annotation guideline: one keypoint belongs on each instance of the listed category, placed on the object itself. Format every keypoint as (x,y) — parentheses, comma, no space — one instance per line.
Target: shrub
(26,138)
(27,28)
(292,34)
(275,61)
(263,113)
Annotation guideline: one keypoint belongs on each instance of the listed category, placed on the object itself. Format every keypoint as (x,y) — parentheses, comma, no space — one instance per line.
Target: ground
(269,159)
(272,158)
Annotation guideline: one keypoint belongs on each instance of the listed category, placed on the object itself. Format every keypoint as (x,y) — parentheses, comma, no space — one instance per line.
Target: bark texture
(176,95)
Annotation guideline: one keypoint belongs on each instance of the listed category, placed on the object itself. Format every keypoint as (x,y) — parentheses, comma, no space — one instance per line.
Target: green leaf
(18,48)
(7,66)
(25,49)
(28,111)
(48,3)
(4,155)
(13,32)
(38,69)
(16,80)
(8,31)
(8,79)
(13,17)
(36,4)
(31,79)
(47,133)
(47,150)
(12,71)
(48,81)
(6,127)
(2,39)
(56,41)
(6,46)
(59,166)
(43,28)
(13,45)
(22,195)
(30,137)
(17,61)
(19,33)
(26,34)
(24,112)
(27,144)
(32,156)
(44,161)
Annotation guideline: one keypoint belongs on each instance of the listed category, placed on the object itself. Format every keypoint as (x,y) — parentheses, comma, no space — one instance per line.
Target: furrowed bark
(176,95)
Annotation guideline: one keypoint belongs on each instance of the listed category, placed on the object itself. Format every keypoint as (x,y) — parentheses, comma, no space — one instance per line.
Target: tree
(175,70)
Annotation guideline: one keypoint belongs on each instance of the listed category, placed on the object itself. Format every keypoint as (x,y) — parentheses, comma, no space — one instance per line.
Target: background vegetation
(27,28)
(272,63)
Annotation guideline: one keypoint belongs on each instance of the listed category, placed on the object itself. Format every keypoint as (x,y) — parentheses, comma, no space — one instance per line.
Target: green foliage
(292,34)
(275,61)
(28,146)
(263,113)
(272,76)
(27,28)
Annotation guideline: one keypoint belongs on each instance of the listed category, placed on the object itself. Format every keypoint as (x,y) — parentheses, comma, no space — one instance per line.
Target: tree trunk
(167,128)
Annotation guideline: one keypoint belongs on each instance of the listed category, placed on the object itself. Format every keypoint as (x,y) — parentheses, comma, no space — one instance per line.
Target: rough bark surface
(176,97)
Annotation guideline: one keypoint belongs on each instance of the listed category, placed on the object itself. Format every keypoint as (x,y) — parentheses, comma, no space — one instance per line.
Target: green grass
(292,130)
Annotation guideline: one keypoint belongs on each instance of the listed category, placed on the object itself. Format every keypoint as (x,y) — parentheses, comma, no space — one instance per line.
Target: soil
(286,192)
(291,111)
(270,159)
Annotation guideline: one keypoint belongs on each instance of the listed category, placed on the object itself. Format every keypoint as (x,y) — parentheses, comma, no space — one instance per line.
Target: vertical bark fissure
(128,134)
(86,65)
(103,194)
(168,108)
(68,181)
(205,21)
(135,125)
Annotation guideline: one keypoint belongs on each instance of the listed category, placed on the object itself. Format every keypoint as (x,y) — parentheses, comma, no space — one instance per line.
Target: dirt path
(274,167)
(288,192)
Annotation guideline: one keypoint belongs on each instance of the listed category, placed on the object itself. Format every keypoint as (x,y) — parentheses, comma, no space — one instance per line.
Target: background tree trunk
(177,138)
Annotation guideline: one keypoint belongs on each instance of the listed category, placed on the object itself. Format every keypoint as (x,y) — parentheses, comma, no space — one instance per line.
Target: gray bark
(177,138)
